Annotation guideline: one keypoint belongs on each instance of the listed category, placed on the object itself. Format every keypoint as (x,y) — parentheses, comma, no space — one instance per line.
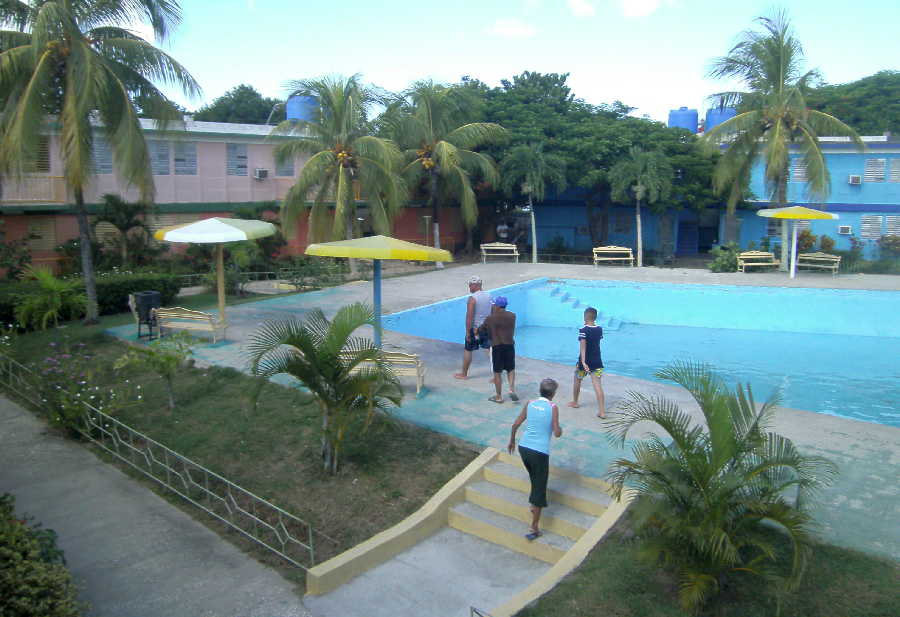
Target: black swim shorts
(503,357)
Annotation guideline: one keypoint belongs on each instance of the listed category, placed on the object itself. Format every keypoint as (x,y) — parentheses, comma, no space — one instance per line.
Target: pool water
(830,351)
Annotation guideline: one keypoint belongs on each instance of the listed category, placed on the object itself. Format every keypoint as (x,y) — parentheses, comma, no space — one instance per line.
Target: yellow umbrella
(796,213)
(378,248)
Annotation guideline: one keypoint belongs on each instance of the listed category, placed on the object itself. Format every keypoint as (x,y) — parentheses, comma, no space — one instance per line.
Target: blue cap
(499,301)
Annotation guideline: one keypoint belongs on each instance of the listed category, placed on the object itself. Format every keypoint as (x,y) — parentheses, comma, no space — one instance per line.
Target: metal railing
(477,612)
(264,523)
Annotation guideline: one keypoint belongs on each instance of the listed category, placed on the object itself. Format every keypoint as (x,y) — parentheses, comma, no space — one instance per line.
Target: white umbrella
(217,231)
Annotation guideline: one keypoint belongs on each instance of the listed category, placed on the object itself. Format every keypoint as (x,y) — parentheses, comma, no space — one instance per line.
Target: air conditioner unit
(854,179)
(845,230)
(260,174)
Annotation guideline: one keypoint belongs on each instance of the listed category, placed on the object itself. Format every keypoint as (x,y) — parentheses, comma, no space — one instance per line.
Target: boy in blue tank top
(589,360)
(534,447)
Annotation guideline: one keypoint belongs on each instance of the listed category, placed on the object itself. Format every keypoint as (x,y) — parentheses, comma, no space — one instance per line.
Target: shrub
(113,289)
(805,241)
(826,243)
(890,246)
(164,357)
(34,581)
(557,246)
(51,300)
(708,491)
(724,258)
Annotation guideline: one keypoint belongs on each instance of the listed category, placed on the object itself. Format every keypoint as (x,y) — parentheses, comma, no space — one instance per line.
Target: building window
(893,225)
(874,170)
(42,234)
(870,226)
(236,163)
(41,162)
(103,163)
(159,157)
(798,171)
(185,158)
(287,168)
(157,222)
(773,227)
(895,170)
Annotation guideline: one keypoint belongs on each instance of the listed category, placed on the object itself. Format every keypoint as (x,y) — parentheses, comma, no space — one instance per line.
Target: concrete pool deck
(859,511)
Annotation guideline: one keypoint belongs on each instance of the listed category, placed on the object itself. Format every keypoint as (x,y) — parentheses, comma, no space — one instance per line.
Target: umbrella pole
(794,251)
(220,279)
(376,292)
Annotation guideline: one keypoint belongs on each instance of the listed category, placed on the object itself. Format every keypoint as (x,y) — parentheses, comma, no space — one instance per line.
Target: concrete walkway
(859,511)
(131,553)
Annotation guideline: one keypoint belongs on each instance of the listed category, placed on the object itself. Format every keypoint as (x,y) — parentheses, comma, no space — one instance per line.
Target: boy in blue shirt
(589,360)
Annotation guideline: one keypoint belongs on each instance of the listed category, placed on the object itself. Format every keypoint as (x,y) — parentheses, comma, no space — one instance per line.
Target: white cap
(475,280)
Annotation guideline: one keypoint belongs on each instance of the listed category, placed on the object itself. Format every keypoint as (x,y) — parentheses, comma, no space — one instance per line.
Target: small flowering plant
(8,334)
(66,385)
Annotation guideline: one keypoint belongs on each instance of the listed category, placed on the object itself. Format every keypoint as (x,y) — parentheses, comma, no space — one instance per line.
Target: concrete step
(558,472)
(558,518)
(562,488)
(508,532)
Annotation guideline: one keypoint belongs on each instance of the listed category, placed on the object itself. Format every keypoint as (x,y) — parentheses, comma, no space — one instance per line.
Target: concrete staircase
(495,509)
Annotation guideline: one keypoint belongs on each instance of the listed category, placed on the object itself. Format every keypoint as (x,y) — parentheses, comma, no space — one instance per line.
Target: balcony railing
(34,189)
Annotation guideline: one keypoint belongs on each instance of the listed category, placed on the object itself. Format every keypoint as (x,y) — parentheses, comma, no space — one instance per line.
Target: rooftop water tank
(717,115)
(302,108)
(683,118)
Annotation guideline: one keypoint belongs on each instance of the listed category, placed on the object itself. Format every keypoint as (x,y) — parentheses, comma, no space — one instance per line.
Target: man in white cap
(477,309)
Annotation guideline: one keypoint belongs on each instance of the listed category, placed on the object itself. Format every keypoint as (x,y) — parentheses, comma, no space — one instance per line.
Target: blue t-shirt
(592,336)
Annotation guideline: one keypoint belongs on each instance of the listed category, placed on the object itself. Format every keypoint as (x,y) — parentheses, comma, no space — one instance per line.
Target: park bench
(502,249)
(178,318)
(403,365)
(612,254)
(819,261)
(756,258)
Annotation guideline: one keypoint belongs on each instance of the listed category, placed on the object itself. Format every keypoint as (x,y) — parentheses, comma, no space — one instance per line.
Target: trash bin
(145,302)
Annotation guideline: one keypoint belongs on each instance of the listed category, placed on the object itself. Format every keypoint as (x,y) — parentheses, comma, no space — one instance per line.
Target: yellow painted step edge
(520,512)
(522,485)
(558,472)
(507,539)
(425,521)
(571,560)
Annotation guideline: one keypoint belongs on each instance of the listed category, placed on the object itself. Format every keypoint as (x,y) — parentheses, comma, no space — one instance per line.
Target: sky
(649,54)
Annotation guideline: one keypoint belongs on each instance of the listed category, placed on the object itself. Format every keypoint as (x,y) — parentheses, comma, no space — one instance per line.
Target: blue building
(865,193)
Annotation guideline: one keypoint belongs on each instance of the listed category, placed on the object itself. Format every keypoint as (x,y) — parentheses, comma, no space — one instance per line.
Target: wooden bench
(756,258)
(499,248)
(611,254)
(819,261)
(403,365)
(178,318)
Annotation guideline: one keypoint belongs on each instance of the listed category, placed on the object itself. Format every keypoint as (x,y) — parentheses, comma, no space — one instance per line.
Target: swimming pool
(831,351)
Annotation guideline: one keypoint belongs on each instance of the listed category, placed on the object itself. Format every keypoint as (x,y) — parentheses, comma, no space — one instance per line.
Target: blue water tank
(302,108)
(717,115)
(683,118)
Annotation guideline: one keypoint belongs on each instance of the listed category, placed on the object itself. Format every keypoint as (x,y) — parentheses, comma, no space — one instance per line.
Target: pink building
(200,169)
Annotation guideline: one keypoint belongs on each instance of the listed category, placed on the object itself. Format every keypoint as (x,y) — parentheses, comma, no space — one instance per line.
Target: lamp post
(526,188)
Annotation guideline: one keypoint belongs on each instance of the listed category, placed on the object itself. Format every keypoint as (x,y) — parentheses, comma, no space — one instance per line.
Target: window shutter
(874,170)
(103,163)
(42,234)
(895,170)
(185,158)
(773,227)
(159,157)
(799,171)
(236,164)
(285,169)
(106,233)
(893,225)
(168,220)
(41,162)
(870,226)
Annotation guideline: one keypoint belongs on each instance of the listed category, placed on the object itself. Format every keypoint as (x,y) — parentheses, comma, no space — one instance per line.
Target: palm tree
(440,150)
(643,176)
(526,168)
(125,217)
(711,493)
(76,63)
(343,158)
(345,374)
(773,119)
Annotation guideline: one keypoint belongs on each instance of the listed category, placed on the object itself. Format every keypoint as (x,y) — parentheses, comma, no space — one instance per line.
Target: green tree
(527,170)
(773,118)
(76,62)
(164,356)
(711,492)
(345,374)
(428,122)
(244,105)
(344,158)
(870,105)
(125,217)
(644,177)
